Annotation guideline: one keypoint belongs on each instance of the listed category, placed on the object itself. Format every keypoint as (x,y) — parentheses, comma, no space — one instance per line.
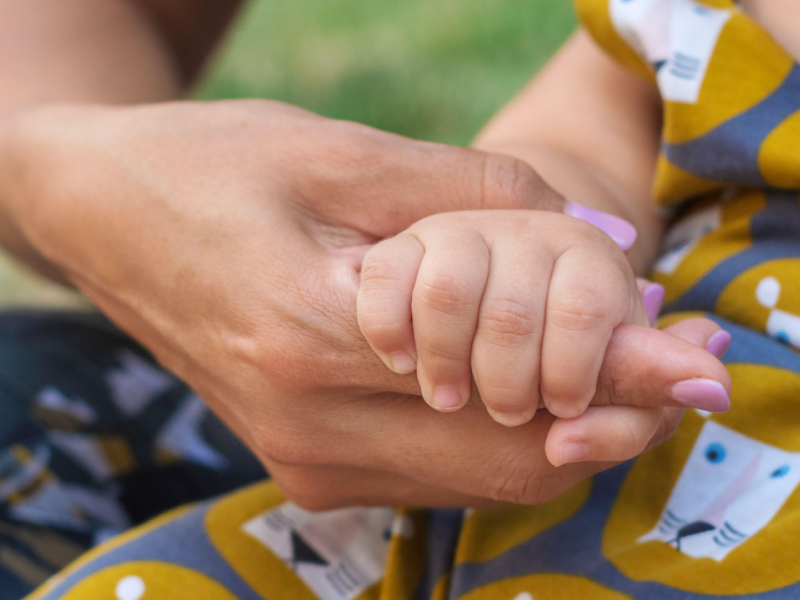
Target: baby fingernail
(402,363)
(447,398)
(719,343)
(704,394)
(653,300)
(510,419)
(572,452)
(622,232)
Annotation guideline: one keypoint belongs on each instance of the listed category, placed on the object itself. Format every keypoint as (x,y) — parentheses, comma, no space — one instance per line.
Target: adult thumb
(409,180)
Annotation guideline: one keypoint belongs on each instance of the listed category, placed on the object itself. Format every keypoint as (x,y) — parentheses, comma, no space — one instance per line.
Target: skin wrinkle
(633,437)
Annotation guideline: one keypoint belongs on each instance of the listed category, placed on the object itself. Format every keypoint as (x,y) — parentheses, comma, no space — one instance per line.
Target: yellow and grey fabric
(94,439)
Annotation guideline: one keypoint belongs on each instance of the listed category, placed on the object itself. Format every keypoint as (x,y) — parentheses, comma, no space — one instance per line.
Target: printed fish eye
(715,453)
(780,472)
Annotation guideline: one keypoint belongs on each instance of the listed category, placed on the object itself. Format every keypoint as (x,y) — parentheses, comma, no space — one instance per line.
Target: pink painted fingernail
(719,343)
(572,452)
(704,394)
(653,300)
(447,398)
(402,363)
(622,232)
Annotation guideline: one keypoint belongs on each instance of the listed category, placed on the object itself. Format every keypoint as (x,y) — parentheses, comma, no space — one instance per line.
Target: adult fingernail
(719,343)
(447,398)
(653,300)
(622,232)
(510,419)
(704,394)
(402,363)
(572,452)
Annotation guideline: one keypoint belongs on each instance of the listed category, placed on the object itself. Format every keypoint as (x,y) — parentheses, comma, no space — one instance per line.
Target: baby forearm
(589,185)
(591,129)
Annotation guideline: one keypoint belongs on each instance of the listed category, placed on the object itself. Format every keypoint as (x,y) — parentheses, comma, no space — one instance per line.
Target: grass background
(429,69)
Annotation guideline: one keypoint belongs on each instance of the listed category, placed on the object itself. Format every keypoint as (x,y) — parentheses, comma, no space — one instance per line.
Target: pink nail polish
(719,343)
(653,300)
(704,394)
(622,232)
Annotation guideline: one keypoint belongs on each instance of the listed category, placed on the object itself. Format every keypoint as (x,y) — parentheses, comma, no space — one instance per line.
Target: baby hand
(525,303)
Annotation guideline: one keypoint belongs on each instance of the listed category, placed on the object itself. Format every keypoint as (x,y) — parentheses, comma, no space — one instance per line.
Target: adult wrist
(15,203)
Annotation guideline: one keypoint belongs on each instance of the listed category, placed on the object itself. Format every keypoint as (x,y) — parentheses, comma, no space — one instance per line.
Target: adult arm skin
(227,237)
(99,52)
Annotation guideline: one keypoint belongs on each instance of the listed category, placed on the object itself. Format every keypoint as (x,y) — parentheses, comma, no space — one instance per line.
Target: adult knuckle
(509,183)
(508,323)
(281,366)
(350,144)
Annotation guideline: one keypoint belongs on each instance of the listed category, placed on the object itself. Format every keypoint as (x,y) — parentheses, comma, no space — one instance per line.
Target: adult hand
(227,238)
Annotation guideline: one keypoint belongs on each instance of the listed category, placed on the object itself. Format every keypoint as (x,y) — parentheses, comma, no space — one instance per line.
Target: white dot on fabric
(768,292)
(130,588)
(523,596)
(403,527)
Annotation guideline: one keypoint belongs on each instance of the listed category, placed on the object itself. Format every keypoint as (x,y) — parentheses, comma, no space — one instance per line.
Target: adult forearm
(99,51)
(91,51)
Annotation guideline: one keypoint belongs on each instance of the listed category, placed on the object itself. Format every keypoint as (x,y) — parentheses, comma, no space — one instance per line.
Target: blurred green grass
(429,69)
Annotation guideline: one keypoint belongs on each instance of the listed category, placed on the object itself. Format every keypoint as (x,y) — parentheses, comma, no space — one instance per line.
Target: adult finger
(385,182)
(602,433)
(474,454)
(646,367)
(703,333)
